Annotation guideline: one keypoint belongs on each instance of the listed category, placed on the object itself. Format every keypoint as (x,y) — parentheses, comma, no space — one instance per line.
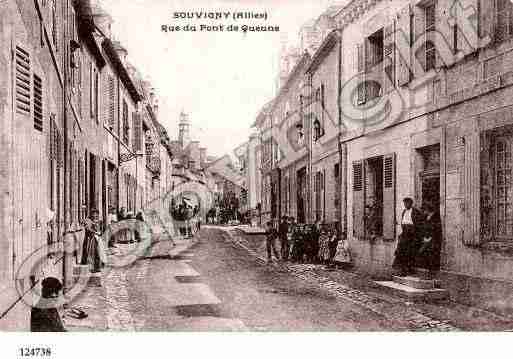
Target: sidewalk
(108,306)
(361,289)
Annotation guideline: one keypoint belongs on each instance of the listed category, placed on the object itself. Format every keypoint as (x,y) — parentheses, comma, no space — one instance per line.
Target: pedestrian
(283,230)
(140,218)
(333,245)
(411,220)
(91,255)
(44,316)
(324,249)
(431,241)
(111,219)
(270,241)
(313,242)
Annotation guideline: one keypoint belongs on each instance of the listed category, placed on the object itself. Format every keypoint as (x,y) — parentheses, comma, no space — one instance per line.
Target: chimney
(102,19)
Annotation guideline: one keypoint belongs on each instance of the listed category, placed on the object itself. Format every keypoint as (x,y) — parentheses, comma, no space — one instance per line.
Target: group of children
(304,243)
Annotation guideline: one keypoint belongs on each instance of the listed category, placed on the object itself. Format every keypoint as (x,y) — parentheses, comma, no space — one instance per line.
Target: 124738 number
(27,352)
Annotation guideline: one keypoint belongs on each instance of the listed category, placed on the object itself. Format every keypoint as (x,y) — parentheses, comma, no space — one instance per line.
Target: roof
(122,72)
(327,45)
(86,29)
(263,113)
(300,64)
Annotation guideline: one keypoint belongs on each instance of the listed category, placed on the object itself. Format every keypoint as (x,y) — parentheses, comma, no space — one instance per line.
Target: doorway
(301,195)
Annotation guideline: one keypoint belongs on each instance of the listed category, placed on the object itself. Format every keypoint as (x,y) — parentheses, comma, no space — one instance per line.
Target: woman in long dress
(91,247)
(324,246)
(428,256)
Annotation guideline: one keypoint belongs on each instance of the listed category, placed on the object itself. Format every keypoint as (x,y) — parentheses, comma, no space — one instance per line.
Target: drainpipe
(342,158)
(65,272)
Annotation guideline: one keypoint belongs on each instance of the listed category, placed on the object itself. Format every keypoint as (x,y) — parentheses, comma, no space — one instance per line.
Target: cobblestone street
(220,282)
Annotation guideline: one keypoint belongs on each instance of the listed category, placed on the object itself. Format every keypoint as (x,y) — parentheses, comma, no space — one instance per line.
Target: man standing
(406,251)
(270,241)
(284,242)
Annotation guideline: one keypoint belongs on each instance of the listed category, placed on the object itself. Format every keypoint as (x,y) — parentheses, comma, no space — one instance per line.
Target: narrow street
(216,285)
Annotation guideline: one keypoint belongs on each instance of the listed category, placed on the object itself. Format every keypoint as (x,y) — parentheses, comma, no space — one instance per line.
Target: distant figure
(270,241)
(44,317)
(283,230)
(140,218)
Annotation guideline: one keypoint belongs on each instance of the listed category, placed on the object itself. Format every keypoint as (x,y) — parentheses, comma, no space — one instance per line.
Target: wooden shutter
(137,132)
(91,91)
(443,16)
(403,46)
(111,95)
(358,199)
(389,202)
(487,19)
(360,60)
(96,91)
(38,103)
(468,41)
(472,180)
(23,80)
(389,57)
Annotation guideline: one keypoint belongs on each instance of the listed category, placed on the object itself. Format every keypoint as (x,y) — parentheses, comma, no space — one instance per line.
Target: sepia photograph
(261,166)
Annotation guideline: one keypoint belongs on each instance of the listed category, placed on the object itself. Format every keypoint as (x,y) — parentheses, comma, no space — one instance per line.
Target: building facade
(70,117)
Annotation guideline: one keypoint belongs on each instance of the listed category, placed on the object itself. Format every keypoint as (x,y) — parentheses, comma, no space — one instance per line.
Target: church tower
(184,130)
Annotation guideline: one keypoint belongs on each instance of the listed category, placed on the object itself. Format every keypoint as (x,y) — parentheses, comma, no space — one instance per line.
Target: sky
(221,79)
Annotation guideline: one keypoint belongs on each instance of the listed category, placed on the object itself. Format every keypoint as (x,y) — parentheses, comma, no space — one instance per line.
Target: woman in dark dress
(44,317)
(431,240)
(91,248)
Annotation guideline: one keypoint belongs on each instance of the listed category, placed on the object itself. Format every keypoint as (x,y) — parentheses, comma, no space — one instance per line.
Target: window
(430,17)
(430,56)
(336,176)
(317,129)
(504,187)
(504,28)
(38,103)
(319,189)
(374,45)
(125,123)
(374,197)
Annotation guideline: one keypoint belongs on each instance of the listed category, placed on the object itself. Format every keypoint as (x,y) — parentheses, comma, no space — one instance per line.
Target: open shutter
(389,57)
(111,103)
(389,196)
(467,36)
(486,19)
(443,21)
(137,132)
(419,37)
(358,199)
(38,103)
(403,46)
(360,53)
(472,180)
(23,80)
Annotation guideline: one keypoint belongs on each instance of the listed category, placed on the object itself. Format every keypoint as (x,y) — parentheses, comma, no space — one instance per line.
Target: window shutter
(111,96)
(389,57)
(389,203)
(91,89)
(38,103)
(487,19)
(137,132)
(360,60)
(472,181)
(403,46)
(358,199)
(23,69)
(96,91)
(468,41)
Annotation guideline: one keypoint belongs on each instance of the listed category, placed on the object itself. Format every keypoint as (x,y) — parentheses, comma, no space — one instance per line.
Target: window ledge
(499,247)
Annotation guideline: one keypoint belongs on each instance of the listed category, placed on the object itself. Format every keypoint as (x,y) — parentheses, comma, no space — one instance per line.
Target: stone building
(70,119)
(445,138)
